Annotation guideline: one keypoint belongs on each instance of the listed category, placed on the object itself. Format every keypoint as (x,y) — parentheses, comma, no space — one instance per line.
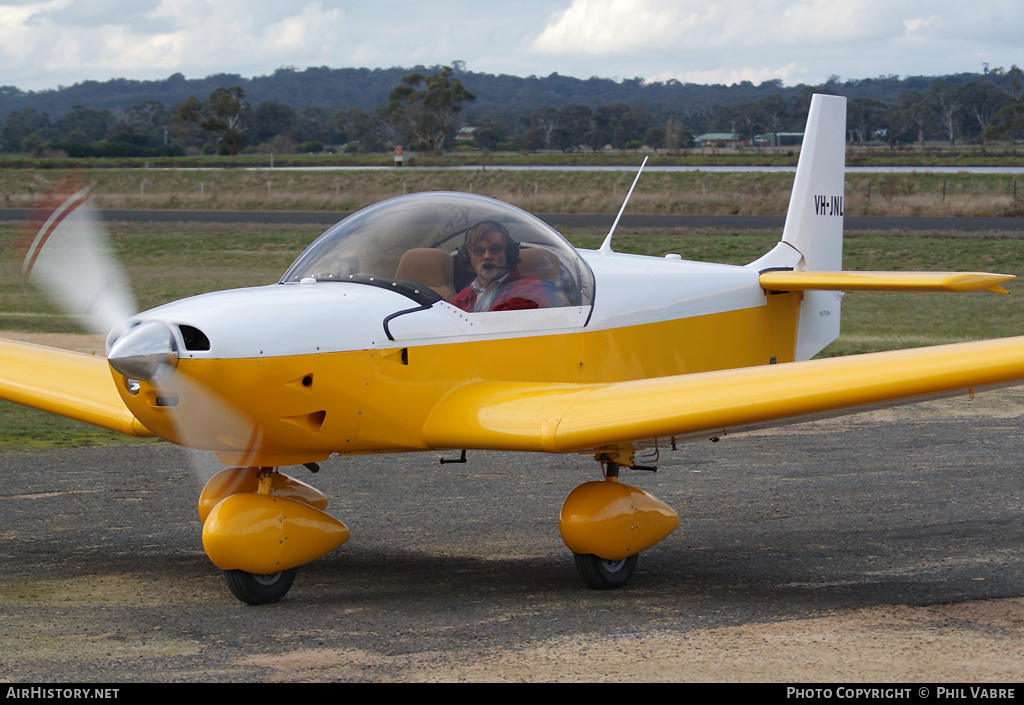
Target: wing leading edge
(66,383)
(574,418)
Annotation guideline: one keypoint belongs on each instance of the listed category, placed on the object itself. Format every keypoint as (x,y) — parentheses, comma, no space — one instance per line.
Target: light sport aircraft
(358,350)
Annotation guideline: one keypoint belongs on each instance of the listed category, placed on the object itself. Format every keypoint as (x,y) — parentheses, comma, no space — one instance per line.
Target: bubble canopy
(375,245)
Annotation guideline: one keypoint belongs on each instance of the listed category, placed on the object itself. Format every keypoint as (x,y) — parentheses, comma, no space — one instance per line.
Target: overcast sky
(48,43)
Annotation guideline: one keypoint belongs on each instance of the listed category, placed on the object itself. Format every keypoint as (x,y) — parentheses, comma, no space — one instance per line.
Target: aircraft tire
(259,589)
(601,574)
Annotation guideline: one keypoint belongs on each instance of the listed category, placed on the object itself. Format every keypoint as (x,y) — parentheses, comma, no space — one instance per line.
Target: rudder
(812,239)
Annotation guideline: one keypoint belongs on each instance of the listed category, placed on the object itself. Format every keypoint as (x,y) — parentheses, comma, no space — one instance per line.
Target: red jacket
(515,292)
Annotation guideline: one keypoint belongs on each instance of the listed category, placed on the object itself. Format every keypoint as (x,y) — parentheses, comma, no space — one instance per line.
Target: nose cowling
(145,352)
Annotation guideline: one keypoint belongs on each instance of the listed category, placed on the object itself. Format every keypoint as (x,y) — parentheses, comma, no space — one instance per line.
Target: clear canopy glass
(403,239)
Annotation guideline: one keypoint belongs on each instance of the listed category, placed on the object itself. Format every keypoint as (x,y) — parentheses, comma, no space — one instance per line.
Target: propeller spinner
(146,352)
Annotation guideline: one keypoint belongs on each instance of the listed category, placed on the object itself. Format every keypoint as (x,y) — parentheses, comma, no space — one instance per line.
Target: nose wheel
(259,589)
(602,574)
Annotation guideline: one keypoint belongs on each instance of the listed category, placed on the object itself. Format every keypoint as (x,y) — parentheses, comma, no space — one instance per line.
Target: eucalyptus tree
(983,100)
(945,101)
(148,120)
(427,108)
(24,128)
(85,125)
(272,118)
(1009,120)
(915,108)
(897,122)
(863,117)
(225,115)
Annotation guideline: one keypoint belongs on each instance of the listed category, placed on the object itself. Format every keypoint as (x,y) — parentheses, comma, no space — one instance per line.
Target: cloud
(144,38)
(44,43)
(599,26)
(794,40)
(789,74)
(307,31)
(230,33)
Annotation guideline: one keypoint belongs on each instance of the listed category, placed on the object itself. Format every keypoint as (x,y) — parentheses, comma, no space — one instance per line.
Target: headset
(511,246)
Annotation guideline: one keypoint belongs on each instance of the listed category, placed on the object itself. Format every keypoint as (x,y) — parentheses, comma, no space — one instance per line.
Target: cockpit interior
(411,244)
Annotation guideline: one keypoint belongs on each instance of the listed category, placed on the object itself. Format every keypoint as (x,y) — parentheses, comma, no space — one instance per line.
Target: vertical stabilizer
(812,239)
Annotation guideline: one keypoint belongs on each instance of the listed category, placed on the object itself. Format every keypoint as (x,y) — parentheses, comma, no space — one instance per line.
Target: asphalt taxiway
(457,571)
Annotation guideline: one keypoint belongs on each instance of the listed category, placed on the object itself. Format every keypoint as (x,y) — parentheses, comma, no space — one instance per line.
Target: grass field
(685,193)
(169,261)
(932,153)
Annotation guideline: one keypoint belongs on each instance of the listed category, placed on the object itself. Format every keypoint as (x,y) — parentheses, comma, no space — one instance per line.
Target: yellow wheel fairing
(231,481)
(613,521)
(263,534)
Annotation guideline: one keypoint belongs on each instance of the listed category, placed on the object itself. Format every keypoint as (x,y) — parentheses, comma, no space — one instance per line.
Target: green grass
(22,429)
(169,261)
(163,263)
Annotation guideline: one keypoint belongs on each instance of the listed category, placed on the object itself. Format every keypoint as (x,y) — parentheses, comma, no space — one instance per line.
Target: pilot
(493,255)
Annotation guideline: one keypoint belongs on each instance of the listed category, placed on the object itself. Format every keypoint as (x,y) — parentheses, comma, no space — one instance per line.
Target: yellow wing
(66,383)
(568,418)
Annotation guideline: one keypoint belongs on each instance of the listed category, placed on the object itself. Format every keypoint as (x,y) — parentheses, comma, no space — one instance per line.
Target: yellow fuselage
(302,407)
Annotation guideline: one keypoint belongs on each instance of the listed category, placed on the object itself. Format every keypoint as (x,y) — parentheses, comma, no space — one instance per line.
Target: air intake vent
(195,339)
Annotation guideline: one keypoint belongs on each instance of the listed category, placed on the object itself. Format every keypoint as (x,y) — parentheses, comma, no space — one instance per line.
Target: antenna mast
(606,246)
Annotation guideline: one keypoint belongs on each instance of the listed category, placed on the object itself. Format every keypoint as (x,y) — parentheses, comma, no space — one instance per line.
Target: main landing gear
(603,574)
(607,524)
(260,589)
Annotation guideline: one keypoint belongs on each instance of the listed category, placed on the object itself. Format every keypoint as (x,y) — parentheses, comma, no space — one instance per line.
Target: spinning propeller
(258,525)
(70,259)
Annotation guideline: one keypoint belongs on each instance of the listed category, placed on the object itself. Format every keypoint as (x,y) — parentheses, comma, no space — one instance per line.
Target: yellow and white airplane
(358,349)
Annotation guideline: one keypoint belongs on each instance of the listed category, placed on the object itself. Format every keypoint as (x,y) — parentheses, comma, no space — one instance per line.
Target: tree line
(425,110)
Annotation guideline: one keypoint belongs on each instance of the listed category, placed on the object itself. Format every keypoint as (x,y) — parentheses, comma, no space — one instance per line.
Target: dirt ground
(891,644)
(972,641)
(92,344)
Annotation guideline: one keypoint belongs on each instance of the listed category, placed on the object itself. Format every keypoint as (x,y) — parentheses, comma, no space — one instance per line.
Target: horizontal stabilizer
(883,281)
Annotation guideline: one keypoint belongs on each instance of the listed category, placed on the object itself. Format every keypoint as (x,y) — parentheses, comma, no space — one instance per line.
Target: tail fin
(812,239)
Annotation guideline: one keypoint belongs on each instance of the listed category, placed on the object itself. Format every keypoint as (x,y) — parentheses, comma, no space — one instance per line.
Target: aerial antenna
(606,246)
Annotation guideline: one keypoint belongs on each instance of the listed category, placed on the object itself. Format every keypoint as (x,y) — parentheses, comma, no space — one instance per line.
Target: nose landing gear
(259,526)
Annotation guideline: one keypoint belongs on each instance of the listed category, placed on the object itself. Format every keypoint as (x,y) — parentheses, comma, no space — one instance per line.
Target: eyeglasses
(493,249)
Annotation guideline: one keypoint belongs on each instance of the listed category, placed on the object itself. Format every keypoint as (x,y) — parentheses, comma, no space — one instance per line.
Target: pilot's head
(488,245)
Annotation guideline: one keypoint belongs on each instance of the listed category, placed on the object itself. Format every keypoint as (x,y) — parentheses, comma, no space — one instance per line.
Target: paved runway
(105,577)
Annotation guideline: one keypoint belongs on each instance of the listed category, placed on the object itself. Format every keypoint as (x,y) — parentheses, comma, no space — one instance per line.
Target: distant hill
(334,89)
